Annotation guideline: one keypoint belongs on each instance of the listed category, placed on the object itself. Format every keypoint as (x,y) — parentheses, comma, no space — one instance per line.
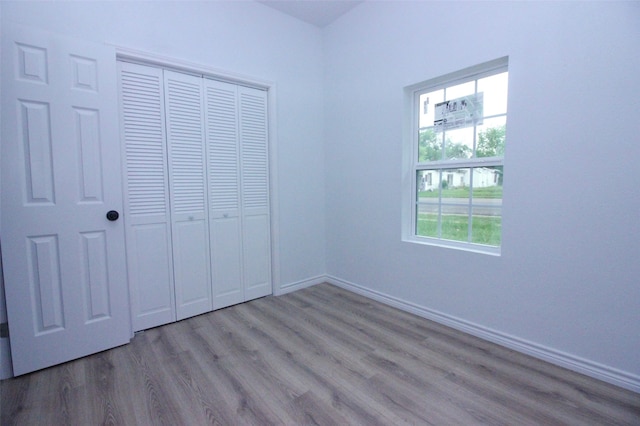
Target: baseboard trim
(298,285)
(589,368)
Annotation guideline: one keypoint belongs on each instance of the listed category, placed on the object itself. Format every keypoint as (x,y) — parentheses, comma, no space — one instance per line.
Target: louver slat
(253,136)
(144,143)
(184,131)
(222,135)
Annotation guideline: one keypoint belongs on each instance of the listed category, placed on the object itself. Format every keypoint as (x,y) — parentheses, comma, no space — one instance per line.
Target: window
(458,135)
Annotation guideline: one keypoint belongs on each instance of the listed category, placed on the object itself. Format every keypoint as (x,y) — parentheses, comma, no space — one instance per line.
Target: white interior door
(64,261)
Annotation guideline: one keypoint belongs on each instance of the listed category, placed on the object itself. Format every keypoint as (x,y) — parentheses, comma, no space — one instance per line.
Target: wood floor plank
(328,377)
(510,370)
(129,382)
(477,365)
(318,356)
(252,366)
(524,372)
(247,404)
(327,341)
(475,405)
(237,405)
(309,409)
(102,405)
(418,404)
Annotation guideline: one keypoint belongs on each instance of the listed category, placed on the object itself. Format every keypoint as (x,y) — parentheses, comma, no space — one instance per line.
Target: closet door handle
(112,215)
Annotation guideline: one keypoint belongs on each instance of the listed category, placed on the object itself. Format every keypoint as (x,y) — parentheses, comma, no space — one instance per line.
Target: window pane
(427,220)
(459,143)
(428,184)
(455,222)
(426,107)
(464,89)
(487,208)
(490,141)
(455,184)
(495,93)
(487,225)
(487,185)
(429,145)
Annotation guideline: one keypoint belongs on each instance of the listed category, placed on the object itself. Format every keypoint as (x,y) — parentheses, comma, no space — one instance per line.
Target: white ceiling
(317,12)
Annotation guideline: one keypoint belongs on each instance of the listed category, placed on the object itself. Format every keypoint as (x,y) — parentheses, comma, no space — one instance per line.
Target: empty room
(319,212)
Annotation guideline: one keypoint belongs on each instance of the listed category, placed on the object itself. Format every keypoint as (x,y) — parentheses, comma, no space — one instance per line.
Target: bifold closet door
(147,212)
(221,101)
(254,166)
(184,107)
(237,138)
(198,229)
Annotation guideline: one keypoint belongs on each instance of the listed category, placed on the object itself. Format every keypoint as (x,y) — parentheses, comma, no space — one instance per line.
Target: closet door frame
(172,64)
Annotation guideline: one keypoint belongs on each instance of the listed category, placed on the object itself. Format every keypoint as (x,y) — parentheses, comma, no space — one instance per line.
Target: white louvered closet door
(237,140)
(187,179)
(197,204)
(256,235)
(147,213)
(224,192)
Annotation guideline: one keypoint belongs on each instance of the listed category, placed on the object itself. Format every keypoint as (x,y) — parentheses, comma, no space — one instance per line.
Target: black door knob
(113,215)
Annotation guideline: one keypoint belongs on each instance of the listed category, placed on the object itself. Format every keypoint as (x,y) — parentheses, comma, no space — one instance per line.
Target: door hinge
(4,330)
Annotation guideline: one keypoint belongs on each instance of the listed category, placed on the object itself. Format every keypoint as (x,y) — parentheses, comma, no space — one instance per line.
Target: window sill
(455,245)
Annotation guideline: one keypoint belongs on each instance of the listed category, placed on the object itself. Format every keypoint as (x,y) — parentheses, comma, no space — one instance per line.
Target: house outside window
(458,136)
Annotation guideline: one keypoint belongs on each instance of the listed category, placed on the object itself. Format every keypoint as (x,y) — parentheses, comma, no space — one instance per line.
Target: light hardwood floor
(321,356)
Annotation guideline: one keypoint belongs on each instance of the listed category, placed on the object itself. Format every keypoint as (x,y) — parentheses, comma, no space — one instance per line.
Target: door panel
(35,137)
(256,233)
(221,100)
(64,262)
(191,259)
(45,283)
(95,276)
(148,223)
(226,252)
(188,190)
(87,133)
(257,261)
(151,275)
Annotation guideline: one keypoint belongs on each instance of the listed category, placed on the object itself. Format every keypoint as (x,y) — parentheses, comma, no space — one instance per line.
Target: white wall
(567,285)
(243,38)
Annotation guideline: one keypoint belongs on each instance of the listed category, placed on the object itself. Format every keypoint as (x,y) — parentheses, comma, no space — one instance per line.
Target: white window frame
(412,166)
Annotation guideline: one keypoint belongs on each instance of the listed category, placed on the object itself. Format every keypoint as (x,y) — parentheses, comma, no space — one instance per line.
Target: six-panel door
(63,260)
